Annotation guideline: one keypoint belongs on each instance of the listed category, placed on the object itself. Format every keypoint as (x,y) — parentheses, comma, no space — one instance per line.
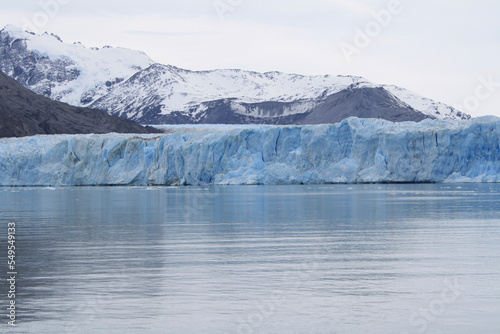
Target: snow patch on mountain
(98,68)
(427,106)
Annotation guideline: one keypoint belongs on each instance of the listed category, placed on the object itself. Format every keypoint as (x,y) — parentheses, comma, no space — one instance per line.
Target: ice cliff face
(355,150)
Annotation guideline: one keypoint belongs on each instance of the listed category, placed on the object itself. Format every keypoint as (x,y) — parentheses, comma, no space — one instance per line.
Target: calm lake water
(255,259)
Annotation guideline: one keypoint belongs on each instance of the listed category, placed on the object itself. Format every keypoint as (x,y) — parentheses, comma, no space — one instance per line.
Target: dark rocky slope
(24,113)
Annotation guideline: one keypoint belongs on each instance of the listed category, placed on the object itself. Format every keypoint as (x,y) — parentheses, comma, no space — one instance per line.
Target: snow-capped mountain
(68,73)
(169,90)
(128,83)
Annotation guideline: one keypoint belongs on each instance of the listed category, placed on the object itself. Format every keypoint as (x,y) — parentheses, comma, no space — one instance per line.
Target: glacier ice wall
(353,151)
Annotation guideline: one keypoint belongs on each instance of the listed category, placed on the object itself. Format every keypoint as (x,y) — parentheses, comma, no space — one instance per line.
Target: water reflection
(269,259)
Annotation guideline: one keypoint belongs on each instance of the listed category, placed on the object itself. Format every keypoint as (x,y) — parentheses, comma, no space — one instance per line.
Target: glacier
(353,151)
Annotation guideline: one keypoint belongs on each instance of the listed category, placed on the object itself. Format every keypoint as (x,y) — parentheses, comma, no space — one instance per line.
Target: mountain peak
(16,32)
(52,45)
(54,36)
(65,72)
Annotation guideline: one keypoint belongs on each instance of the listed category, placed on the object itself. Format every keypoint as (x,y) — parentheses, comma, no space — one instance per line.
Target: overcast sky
(448,50)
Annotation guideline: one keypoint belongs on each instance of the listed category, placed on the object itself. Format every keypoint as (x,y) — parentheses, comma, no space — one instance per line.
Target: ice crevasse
(353,151)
